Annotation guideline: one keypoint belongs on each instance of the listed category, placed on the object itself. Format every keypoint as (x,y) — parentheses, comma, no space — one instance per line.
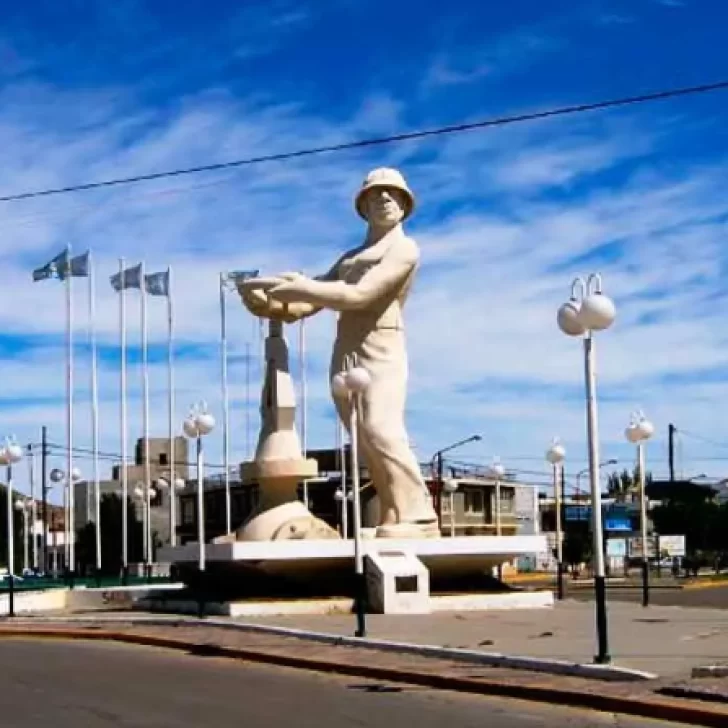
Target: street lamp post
(640,430)
(10,454)
(198,424)
(179,484)
(341,498)
(438,462)
(24,507)
(145,495)
(59,476)
(450,487)
(556,455)
(497,471)
(587,311)
(353,381)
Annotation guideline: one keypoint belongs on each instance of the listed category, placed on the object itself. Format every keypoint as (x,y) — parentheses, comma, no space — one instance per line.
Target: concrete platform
(450,556)
(299,607)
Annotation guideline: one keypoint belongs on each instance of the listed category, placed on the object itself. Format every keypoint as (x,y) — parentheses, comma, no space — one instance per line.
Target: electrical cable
(376,141)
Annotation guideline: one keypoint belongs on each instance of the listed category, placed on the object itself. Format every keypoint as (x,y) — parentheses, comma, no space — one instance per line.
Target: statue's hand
(255,300)
(292,290)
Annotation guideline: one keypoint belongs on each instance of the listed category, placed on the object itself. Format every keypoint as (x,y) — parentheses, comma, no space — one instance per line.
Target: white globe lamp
(189,426)
(632,433)
(358,379)
(568,319)
(597,312)
(497,470)
(13,453)
(646,428)
(338,385)
(450,486)
(556,453)
(205,423)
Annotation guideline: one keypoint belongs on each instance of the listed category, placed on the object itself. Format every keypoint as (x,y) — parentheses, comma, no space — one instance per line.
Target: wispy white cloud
(506,218)
(499,56)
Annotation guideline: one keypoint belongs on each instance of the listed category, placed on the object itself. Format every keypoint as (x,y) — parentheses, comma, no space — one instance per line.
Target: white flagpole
(69,415)
(302,355)
(145,417)
(94,408)
(124,474)
(225,403)
(170,384)
(248,454)
(33,504)
(344,493)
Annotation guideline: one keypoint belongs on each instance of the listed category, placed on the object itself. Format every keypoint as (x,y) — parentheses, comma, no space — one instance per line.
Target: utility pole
(44,491)
(671,430)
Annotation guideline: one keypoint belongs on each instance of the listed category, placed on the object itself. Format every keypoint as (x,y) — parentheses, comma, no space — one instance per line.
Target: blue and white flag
(78,267)
(129,278)
(238,276)
(157,284)
(53,269)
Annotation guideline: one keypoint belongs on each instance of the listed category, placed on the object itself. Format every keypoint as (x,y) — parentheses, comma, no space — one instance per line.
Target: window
(473,501)
(508,500)
(163,458)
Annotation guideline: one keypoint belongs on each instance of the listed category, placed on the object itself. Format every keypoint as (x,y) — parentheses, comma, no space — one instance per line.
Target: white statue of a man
(368,287)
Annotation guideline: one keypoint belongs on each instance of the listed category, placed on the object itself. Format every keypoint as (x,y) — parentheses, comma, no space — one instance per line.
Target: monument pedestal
(324,569)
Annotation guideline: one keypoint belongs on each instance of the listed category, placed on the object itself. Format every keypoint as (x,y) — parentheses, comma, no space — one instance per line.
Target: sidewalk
(668,641)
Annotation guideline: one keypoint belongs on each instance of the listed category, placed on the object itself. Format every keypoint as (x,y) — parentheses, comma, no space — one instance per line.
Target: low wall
(35,601)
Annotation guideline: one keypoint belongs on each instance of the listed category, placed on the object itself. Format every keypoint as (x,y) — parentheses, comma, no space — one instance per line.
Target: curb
(609,673)
(657,710)
(698,585)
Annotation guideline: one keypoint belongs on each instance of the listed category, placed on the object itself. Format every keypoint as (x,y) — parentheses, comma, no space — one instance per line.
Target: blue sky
(506,217)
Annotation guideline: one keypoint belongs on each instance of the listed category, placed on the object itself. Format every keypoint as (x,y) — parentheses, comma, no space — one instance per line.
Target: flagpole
(345,495)
(124,474)
(145,417)
(171,412)
(94,408)
(225,402)
(33,504)
(69,415)
(302,355)
(248,454)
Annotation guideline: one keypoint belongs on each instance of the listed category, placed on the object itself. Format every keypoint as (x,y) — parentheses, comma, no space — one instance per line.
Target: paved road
(70,684)
(713,598)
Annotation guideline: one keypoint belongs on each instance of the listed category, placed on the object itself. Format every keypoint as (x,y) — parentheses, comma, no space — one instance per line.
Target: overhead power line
(706,440)
(377,141)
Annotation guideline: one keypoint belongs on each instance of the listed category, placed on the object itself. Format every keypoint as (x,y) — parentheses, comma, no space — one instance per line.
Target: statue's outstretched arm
(377,282)
(259,302)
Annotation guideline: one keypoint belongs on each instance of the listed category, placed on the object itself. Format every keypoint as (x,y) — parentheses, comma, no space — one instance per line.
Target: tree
(111,538)
(704,523)
(577,548)
(620,485)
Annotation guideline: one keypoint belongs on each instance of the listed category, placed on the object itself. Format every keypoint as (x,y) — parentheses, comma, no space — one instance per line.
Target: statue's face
(385,205)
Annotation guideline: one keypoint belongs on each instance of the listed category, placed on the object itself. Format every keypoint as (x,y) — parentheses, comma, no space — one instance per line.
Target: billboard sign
(577,513)
(672,545)
(616,547)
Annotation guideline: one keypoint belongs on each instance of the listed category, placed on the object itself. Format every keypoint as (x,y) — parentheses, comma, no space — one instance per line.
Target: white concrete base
(449,556)
(27,602)
(492,602)
(444,603)
(397,583)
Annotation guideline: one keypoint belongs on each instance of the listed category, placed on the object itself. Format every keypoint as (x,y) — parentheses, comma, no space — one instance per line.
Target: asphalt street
(94,685)
(712,598)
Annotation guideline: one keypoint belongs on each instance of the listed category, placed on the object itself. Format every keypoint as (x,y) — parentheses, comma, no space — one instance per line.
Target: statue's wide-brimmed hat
(385,177)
